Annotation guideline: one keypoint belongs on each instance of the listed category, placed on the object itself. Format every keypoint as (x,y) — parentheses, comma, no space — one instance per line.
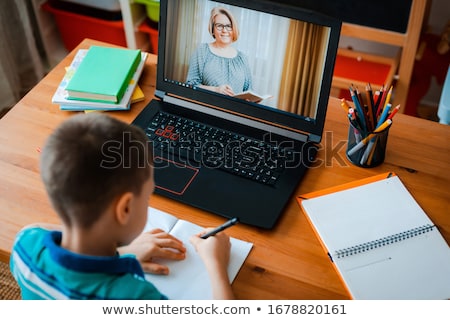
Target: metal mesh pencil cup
(368,155)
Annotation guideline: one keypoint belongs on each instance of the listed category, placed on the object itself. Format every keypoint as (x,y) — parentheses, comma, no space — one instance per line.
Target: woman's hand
(155,244)
(225,89)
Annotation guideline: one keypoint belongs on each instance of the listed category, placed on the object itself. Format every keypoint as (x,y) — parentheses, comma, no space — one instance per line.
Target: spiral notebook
(381,242)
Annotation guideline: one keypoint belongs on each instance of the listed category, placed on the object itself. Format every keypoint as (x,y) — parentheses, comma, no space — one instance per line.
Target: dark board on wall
(390,15)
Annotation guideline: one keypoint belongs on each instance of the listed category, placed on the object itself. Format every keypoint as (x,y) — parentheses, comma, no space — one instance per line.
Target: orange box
(76,27)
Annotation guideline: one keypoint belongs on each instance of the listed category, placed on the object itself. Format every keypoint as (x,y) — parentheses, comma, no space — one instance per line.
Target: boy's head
(89,161)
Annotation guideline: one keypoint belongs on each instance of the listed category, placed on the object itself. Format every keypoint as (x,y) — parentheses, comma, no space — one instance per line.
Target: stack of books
(101,78)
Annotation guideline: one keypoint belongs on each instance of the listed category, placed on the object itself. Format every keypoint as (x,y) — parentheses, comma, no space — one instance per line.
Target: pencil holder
(369,154)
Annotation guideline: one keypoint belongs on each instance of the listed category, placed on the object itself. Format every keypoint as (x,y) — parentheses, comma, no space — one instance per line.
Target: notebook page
(188,279)
(415,268)
(365,213)
(158,219)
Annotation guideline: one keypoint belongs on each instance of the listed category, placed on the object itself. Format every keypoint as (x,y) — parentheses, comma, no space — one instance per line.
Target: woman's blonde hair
(219,10)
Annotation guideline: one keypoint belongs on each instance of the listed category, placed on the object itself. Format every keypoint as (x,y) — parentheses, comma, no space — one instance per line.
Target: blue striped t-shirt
(45,270)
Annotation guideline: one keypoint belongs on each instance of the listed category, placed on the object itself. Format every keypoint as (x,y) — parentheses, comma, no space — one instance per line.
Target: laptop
(236,123)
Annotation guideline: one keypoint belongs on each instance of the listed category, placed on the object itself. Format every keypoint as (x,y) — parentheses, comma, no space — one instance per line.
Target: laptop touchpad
(173,176)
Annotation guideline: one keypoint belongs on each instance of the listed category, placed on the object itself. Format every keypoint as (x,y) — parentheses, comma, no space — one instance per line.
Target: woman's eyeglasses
(220,27)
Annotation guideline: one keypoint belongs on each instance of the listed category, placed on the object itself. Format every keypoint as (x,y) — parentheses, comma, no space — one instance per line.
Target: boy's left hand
(155,244)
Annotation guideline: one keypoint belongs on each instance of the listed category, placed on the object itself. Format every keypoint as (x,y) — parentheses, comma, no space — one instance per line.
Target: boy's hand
(155,244)
(214,251)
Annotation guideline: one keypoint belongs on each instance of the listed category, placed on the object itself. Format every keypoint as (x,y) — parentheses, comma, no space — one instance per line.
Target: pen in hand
(227,224)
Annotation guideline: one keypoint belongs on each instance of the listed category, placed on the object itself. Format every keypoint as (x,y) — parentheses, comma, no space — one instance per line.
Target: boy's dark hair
(90,160)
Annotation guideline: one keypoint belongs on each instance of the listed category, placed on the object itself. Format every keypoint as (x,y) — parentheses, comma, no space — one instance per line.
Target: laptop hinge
(160,94)
(299,136)
(314,138)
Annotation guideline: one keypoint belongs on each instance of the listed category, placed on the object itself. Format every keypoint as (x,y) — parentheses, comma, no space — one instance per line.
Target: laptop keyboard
(216,148)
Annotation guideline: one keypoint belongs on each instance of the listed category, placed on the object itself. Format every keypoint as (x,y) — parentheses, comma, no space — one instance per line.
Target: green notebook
(104,74)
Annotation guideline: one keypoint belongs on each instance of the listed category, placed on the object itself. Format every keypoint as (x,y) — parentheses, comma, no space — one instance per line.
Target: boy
(98,175)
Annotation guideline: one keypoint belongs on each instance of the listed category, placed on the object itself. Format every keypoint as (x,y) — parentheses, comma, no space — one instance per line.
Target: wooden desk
(286,262)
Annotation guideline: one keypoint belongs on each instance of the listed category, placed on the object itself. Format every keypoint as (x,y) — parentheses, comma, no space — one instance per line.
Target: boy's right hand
(214,251)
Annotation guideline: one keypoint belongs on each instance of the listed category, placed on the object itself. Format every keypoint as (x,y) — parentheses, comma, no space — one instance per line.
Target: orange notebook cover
(380,241)
(344,186)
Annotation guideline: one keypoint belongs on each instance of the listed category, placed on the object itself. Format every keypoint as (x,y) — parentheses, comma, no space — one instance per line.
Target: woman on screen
(218,66)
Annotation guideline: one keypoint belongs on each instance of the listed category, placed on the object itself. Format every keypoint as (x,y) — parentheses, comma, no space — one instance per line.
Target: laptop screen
(260,60)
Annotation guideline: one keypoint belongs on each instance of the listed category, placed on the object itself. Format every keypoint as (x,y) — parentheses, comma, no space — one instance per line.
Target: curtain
(21,62)
(303,68)
(263,39)
(181,33)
